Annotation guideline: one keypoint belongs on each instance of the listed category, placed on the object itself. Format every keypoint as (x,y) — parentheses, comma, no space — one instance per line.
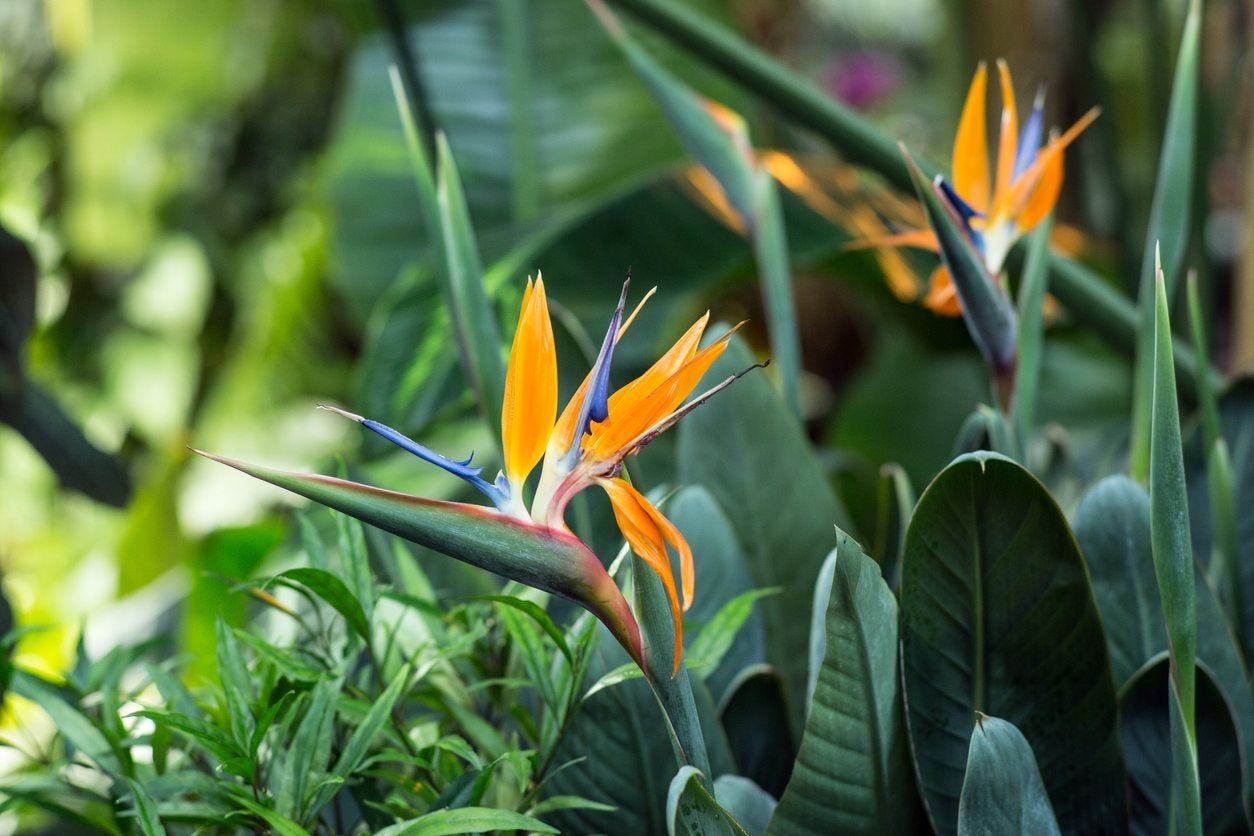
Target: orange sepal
(530,403)
(970,161)
(637,519)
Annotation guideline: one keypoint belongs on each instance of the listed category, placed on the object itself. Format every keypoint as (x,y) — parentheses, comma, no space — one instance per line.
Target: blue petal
(965,212)
(461,469)
(595,406)
(1030,136)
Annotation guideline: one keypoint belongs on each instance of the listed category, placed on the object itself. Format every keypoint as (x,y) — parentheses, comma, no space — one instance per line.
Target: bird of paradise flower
(583,447)
(996,205)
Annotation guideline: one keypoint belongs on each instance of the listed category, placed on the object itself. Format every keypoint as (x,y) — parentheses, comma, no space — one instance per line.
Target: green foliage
(1002,791)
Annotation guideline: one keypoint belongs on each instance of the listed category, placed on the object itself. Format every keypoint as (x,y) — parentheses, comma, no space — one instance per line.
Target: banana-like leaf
(986,308)
(1002,791)
(1167,235)
(1145,729)
(997,616)
(853,770)
(542,558)
(691,809)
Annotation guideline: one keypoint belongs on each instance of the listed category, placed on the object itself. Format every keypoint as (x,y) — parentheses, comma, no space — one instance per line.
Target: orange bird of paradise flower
(997,204)
(584,446)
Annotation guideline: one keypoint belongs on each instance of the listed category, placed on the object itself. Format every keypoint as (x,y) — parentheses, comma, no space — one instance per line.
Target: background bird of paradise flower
(210,224)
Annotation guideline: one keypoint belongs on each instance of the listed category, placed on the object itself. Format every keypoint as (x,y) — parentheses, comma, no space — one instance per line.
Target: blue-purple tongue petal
(460,469)
(1030,136)
(595,406)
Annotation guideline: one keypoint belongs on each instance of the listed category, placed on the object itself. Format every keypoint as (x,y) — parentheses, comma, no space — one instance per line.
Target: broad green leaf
(1112,526)
(1172,547)
(541,558)
(852,773)
(466,820)
(71,723)
(1167,236)
(691,809)
(1002,791)
(722,575)
(1145,729)
(745,449)
(997,616)
(1033,284)
(331,589)
(755,716)
(986,309)
(750,805)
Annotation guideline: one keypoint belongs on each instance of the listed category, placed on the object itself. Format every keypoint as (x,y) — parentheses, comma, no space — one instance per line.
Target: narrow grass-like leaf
(465,297)
(466,820)
(72,724)
(710,646)
(146,815)
(691,809)
(537,614)
(1002,791)
(332,590)
(236,685)
(894,503)
(1166,238)
(986,309)
(1173,564)
(719,140)
(1033,284)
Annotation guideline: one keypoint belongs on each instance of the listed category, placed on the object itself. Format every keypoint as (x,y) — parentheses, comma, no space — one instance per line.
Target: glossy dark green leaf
(1112,526)
(1002,791)
(1167,236)
(745,448)
(853,771)
(1145,729)
(691,809)
(998,617)
(748,804)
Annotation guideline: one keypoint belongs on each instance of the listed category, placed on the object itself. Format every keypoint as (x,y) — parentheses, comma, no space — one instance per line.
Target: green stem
(674,693)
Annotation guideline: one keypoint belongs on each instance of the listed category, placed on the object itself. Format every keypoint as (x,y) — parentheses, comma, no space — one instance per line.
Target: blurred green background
(210,225)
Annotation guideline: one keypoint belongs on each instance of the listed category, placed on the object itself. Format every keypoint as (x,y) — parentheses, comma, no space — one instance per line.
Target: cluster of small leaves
(345,706)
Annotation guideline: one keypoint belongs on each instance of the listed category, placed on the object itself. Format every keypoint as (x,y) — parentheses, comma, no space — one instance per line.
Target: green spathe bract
(543,558)
(1002,791)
